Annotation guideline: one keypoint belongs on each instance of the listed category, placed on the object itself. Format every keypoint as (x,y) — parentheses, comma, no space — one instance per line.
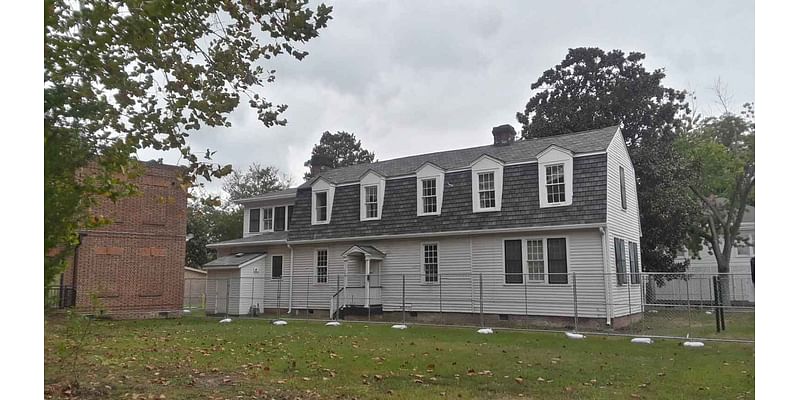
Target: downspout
(609,298)
(291,275)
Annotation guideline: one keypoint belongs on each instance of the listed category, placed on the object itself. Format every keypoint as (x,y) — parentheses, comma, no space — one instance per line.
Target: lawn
(739,325)
(200,358)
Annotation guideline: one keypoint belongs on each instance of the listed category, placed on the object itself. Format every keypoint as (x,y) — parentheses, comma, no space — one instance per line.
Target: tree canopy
(120,76)
(336,150)
(592,88)
(255,181)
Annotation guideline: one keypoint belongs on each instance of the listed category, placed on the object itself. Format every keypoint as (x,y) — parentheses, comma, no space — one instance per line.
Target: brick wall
(133,267)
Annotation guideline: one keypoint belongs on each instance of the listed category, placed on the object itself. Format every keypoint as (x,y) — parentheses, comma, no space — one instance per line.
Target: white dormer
(487,184)
(430,189)
(321,201)
(373,185)
(555,177)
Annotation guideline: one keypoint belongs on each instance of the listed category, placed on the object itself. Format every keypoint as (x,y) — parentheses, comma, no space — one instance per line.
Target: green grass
(671,322)
(200,358)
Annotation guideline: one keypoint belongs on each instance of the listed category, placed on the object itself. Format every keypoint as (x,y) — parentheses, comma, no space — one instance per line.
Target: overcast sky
(410,77)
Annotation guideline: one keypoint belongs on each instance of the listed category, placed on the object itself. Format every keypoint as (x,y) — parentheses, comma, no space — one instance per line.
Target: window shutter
(277,267)
(255,220)
(619,260)
(279,219)
(633,255)
(513,261)
(557,260)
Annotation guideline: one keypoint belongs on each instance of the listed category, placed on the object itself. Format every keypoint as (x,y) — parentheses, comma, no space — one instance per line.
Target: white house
(519,227)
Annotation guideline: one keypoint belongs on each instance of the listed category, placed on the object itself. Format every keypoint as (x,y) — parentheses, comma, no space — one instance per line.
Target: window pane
(267,219)
(280,219)
(255,220)
(277,266)
(371,201)
(555,184)
(633,256)
(557,260)
(513,261)
(429,195)
(535,260)
(486,190)
(619,261)
(322,266)
(622,189)
(322,206)
(431,262)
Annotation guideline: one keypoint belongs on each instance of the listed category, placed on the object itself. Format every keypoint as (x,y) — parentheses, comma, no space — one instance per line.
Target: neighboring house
(194,287)
(703,268)
(134,266)
(458,225)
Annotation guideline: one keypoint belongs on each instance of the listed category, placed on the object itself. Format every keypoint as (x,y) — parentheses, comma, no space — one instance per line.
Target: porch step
(361,310)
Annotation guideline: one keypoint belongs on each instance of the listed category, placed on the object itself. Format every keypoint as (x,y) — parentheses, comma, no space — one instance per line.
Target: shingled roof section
(520,151)
(264,238)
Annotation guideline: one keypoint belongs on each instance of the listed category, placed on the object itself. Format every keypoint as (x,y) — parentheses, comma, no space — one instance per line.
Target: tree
(722,151)
(336,150)
(209,223)
(591,89)
(120,76)
(256,181)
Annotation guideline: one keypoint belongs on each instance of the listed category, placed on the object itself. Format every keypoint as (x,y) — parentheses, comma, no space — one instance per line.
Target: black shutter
(255,220)
(279,219)
(633,255)
(622,189)
(619,261)
(513,261)
(289,210)
(557,260)
(277,267)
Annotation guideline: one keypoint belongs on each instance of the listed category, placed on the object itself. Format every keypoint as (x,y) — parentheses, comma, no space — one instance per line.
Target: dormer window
(373,186)
(556,187)
(487,184)
(430,189)
(321,201)
(429,196)
(555,177)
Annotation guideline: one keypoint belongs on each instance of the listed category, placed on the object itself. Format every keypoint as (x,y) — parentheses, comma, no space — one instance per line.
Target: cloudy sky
(412,77)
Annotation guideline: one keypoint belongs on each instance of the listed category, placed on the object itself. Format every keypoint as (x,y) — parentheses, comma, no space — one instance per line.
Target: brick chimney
(503,135)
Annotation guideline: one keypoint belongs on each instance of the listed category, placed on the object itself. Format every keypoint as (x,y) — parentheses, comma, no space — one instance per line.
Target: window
(371,201)
(486,189)
(622,191)
(535,260)
(322,206)
(277,267)
(430,262)
(557,260)
(322,266)
(255,220)
(267,219)
(556,186)
(633,256)
(619,259)
(513,261)
(429,195)
(280,219)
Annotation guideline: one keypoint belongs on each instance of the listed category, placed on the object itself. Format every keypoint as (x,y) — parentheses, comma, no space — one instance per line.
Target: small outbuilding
(235,284)
(194,287)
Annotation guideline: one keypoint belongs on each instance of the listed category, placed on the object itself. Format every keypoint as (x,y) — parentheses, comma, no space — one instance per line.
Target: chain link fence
(699,306)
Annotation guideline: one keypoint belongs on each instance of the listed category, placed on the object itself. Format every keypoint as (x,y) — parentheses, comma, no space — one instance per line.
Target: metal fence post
(441,310)
(190,293)
(480,289)
(252,294)
(688,305)
(525,289)
(630,282)
(404,299)
(227,297)
(278,299)
(575,300)
(308,290)
(338,287)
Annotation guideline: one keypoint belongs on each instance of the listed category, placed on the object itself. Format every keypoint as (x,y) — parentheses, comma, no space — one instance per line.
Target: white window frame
(430,171)
(319,186)
(525,274)
(556,185)
(369,179)
(552,156)
(423,275)
(317,266)
(526,267)
(428,196)
(482,165)
(264,211)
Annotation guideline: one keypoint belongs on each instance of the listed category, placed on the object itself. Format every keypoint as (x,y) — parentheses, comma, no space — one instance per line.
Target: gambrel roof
(591,141)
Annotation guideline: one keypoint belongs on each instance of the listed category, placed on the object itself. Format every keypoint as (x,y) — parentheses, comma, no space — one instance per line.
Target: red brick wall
(134,267)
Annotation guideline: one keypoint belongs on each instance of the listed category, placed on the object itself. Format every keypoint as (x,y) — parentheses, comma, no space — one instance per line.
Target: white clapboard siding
(252,285)
(623,224)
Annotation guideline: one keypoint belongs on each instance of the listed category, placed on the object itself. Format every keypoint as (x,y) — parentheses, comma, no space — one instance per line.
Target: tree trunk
(723,270)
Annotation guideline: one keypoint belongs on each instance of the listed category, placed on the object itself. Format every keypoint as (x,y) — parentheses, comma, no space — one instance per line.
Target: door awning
(366,251)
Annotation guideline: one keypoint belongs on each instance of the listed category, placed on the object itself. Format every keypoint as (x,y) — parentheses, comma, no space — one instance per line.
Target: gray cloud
(410,77)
